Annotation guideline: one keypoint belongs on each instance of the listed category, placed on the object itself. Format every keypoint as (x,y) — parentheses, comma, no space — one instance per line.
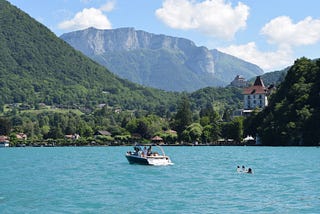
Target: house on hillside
(255,96)
(21,136)
(102,133)
(72,136)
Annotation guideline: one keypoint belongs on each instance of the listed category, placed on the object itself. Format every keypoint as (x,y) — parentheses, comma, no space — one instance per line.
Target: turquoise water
(202,180)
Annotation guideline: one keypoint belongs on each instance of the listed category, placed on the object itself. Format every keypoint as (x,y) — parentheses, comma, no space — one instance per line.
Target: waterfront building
(255,96)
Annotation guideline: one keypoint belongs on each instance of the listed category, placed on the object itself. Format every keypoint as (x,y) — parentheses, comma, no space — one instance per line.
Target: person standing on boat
(136,150)
(144,152)
(149,151)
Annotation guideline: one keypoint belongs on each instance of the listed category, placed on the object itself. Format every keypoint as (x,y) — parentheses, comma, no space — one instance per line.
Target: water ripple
(202,180)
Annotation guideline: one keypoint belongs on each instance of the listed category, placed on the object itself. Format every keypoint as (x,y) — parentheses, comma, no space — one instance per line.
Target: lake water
(202,180)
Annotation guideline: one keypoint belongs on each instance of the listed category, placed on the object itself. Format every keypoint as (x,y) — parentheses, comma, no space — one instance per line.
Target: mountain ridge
(143,57)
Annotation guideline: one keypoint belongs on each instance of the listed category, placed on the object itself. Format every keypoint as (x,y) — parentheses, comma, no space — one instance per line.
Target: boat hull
(133,159)
(150,160)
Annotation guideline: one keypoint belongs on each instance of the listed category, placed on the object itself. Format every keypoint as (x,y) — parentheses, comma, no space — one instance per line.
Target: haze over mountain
(160,61)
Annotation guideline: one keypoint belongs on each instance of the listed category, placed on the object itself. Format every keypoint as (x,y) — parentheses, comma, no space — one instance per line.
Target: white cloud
(282,31)
(89,17)
(286,35)
(268,61)
(107,7)
(212,17)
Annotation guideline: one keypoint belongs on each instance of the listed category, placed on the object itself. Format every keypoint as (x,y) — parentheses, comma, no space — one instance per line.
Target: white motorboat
(146,156)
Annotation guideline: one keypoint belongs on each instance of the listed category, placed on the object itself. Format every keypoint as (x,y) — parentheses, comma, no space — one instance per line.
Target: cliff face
(160,61)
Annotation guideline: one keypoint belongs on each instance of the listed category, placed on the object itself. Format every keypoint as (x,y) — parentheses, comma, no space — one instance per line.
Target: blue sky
(269,33)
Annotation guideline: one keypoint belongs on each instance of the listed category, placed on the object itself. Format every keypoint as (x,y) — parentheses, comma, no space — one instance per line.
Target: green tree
(86,130)
(183,118)
(207,134)
(5,126)
(55,133)
(192,133)
(211,120)
(234,129)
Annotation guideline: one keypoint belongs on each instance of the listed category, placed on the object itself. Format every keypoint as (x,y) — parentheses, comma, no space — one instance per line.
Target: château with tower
(254,96)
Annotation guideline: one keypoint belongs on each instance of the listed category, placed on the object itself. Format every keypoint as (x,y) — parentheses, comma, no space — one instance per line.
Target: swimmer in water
(239,169)
(249,171)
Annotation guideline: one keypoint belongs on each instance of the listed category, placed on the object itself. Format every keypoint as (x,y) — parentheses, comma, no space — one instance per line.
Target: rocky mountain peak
(158,60)
(124,39)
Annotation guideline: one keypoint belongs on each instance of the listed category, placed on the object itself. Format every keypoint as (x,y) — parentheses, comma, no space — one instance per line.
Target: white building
(255,96)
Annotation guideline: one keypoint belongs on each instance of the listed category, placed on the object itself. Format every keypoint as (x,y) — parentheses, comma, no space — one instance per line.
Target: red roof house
(255,96)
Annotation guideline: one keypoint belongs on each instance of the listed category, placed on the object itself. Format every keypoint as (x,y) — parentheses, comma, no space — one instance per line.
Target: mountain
(36,66)
(160,61)
(228,66)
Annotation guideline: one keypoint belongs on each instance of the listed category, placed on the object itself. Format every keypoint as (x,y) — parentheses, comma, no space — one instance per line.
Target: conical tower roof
(257,88)
(258,82)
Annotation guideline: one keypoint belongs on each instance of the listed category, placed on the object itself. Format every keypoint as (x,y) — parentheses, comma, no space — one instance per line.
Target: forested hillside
(293,114)
(38,67)
(50,91)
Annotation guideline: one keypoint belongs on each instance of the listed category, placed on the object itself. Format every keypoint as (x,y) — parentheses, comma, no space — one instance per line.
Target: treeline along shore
(79,143)
(292,118)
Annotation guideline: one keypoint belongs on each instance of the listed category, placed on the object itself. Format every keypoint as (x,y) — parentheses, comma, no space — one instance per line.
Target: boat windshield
(148,150)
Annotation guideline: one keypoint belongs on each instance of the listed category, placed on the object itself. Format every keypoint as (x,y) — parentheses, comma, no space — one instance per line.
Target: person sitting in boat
(155,154)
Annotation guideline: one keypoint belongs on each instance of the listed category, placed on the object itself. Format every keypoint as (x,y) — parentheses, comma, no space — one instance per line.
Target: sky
(269,33)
